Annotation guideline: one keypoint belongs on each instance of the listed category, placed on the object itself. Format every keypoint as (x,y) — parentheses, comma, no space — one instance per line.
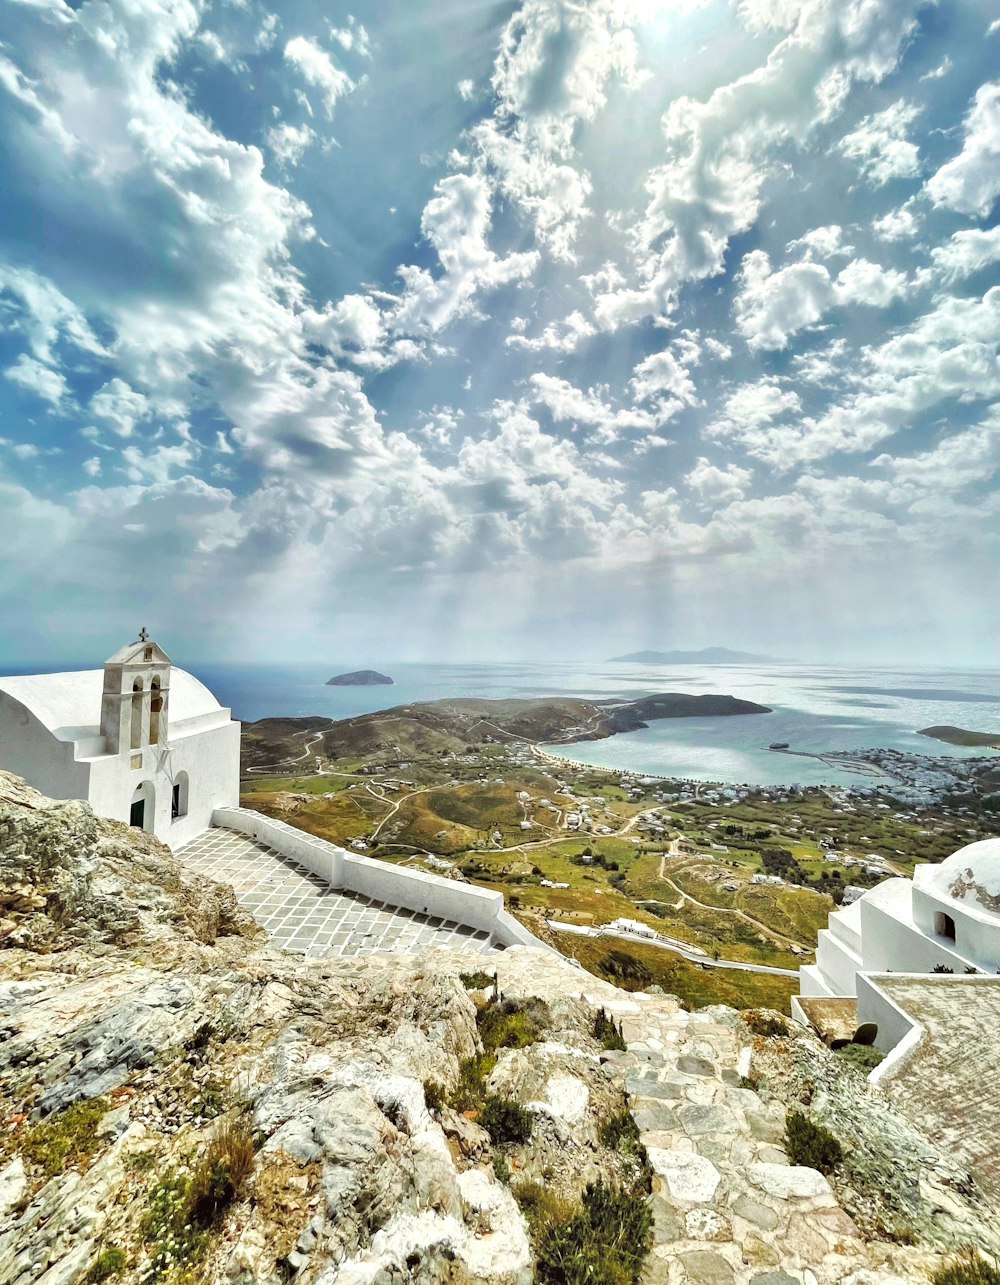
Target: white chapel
(141,740)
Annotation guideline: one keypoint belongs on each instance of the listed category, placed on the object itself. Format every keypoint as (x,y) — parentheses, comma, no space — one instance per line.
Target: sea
(816,710)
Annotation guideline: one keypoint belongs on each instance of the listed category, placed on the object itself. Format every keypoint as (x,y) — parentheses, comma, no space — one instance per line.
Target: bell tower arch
(135,699)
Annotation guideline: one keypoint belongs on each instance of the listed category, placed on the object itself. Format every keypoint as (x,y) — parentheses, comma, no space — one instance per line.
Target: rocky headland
(184,1104)
(449,726)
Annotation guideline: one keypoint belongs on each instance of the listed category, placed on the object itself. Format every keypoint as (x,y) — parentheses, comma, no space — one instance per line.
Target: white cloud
(44,314)
(718,151)
(34,377)
(119,406)
(772,306)
(466,90)
(456,221)
(970,182)
(289,142)
(716,486)
(966,252)
(156,465)
(317,69)
(898,225)
(959,459)
(568,404)
(880,146)
(822,243)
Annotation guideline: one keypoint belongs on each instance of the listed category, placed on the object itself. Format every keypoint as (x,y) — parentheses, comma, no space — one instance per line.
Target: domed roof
(970,875)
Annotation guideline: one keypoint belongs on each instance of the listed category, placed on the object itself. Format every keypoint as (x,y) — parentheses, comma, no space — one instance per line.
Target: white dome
(970,875)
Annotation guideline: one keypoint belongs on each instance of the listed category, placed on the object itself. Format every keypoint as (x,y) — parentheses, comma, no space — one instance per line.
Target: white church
(946,918)
(141,740)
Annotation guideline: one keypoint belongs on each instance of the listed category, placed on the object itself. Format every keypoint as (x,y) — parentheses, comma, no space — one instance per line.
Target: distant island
(959,736)
(360,678)
(707,656)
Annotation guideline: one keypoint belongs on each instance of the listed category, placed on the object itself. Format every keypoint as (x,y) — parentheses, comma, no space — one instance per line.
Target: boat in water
(778,745)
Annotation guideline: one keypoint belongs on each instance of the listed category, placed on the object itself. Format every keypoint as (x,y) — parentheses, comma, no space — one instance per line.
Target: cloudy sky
(446,329)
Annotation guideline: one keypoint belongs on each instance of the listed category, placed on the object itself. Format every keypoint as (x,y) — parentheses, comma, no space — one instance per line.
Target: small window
(148,654)
(179,797)
(944,925)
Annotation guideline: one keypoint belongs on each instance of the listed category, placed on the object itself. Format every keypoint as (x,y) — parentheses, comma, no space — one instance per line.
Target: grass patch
(511,1024)
(602,1241)
(969,1268)
(811,1144)
(473,1072)
(607,1034)
(695,986)
(66,1140)
(184,1208)
(108,1264)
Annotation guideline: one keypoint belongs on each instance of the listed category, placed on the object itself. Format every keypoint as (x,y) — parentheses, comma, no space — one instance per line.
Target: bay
(816,709)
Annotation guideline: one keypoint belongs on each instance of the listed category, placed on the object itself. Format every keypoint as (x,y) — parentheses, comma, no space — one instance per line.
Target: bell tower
(135,699)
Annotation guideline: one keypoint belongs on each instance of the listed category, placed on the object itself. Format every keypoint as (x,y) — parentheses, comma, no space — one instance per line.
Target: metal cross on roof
(143,634)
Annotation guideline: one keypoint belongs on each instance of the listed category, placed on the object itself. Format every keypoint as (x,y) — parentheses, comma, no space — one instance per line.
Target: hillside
(449,726)
(186,1105)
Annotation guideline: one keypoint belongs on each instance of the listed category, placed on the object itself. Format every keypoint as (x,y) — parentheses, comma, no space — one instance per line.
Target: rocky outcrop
(67,876)
(141,1047)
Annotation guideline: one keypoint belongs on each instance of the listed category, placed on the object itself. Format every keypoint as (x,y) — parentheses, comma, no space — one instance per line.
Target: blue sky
(482,331)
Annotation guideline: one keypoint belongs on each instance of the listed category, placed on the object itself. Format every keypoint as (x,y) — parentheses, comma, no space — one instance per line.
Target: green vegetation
(109,1263)
(863,1057)
(502,1024)
(602,1241)
(434,1095)
(622,967)
(506,1121)
(607,1034)
(184,1209)
(969,1268)
(621,1133)
(811,1144)
(477,981)
(66,1140)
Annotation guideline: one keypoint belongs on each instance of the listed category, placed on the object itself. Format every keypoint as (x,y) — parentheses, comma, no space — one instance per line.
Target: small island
(360,678)
(707,656)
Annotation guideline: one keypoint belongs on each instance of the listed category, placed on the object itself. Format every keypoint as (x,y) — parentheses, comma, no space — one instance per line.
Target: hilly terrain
(707,656)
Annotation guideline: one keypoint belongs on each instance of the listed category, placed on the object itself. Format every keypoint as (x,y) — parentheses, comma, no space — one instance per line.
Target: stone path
(728,1208)
(303,914)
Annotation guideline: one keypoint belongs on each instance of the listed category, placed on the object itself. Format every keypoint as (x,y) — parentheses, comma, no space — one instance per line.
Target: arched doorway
(944,925)
(141,813)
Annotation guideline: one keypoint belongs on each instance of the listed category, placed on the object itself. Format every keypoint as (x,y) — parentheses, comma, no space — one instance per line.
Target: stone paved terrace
(303,914)
(950,1086)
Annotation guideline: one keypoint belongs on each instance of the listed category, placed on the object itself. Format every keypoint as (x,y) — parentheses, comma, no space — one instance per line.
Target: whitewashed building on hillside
(945,919)
(141,740)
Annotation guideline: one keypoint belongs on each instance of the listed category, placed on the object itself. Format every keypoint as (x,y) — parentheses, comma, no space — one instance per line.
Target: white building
(948,915)
(140,740)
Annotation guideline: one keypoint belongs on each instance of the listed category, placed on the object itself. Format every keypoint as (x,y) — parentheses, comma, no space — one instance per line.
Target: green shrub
(501,1168)
(67,1139)
(603,1241)
(511,1024)
(623,967)
(505,1121)
(479,980)
(473,1072)
(620,1133)
(607,1034)
(434,1095)
(967,1269)
(110,1262)
(811,1144)
(862,1056)
(765,1025)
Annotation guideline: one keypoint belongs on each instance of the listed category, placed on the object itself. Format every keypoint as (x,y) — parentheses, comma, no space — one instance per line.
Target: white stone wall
(29,749)
(397,886)
(211,758)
